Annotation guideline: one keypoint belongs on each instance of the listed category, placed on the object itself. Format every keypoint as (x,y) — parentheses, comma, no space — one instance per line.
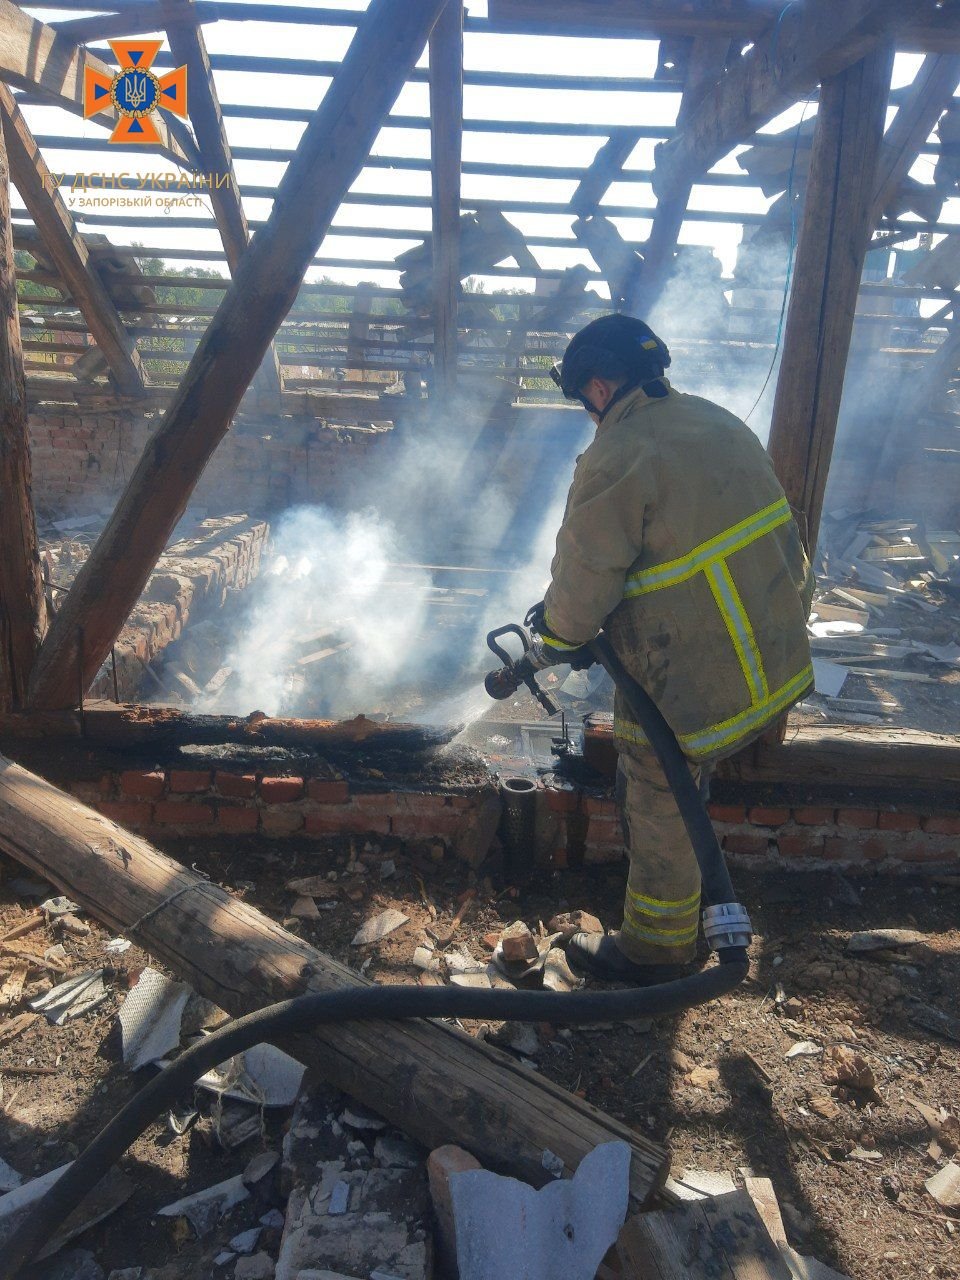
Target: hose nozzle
(502,683)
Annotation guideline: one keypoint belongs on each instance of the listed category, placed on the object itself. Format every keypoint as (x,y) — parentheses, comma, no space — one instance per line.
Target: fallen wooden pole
(432,1081)
(107,724)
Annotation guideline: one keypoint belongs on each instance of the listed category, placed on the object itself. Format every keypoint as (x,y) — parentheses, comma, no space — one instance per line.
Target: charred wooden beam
(35,57)
(106,724)
(446,137)
(331,154)
(67,248)
(23,610)
(833,241)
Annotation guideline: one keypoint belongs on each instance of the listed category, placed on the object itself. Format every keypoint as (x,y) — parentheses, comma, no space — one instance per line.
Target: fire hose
(726,927)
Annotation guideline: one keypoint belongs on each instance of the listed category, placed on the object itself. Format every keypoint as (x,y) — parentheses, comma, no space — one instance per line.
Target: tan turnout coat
(677,538)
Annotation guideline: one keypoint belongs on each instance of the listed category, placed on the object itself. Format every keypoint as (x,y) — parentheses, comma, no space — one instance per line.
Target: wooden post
(434,1082)
(834,236)
(67,249)
(23,609)
(446,137)
(389,38)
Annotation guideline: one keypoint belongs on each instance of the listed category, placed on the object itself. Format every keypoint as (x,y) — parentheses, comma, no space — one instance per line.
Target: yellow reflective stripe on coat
(728,732)
(701,557)
(663,906)
(739,629)
(554,641)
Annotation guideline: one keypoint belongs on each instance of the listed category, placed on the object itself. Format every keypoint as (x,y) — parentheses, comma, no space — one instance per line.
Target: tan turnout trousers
(661,910)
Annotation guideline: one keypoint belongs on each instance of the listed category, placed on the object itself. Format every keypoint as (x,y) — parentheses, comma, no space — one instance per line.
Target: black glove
(579,659)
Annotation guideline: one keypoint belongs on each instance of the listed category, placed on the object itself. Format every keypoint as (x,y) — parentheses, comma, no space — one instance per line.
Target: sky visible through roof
(482,51)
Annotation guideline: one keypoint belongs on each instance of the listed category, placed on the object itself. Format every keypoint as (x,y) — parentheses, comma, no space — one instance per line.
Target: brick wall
(217,802)
(82,460)
(575,827)
(186,585)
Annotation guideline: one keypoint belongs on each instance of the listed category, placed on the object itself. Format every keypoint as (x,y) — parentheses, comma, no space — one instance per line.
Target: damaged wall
(82,460)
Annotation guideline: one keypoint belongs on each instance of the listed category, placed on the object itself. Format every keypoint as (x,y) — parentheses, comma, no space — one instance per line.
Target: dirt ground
(848,1164)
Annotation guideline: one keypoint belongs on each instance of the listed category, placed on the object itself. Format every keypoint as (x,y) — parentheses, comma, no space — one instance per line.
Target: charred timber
(105,724)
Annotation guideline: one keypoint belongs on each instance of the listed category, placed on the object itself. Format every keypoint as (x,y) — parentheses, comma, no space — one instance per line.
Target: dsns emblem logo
(135,91)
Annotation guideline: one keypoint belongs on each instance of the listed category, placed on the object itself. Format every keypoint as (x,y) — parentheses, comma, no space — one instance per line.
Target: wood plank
(929,95)
(718,1238)
(67,248)
(23,609)
(35,57)
(814,40)
(189,49)
(331,154)
(832,244)
(132,20)
(433,1081)
(446,139)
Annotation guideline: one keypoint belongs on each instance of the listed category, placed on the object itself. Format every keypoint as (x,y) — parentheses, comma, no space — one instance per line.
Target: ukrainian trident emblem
(135,91)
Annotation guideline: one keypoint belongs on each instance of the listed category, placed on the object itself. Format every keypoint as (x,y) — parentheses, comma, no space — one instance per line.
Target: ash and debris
(833,1070)
(885,624)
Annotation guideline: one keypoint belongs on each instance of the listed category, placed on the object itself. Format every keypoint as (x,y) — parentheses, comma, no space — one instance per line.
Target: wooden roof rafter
(189,48)
(67,248)
(35,57)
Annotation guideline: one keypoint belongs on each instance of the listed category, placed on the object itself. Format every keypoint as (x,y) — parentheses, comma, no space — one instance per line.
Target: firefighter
(677,540)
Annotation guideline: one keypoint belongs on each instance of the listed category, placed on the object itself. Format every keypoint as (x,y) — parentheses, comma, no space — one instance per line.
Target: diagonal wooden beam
(808,42)
(390,37)
(23,611)
(35,57)
(446,137)
(189,47)
(927,98)
(66,247)
(708,58)
(833,241)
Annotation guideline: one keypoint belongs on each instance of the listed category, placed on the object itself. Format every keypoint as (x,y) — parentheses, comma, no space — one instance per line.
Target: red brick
(238,821)
(328,790)
(800,845)
(863,818)
(762,817)
(170,813)
(281,822)
(335,820)
(924,852)
(942,824)
(236,786)
(745,844)
(727,812)
(562,799)
(281,790)
(421,826)
(813,816)
(558,859)
(843,849)
(599,806)
(185,781)
(130,814)
(887,820)
(146,786)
